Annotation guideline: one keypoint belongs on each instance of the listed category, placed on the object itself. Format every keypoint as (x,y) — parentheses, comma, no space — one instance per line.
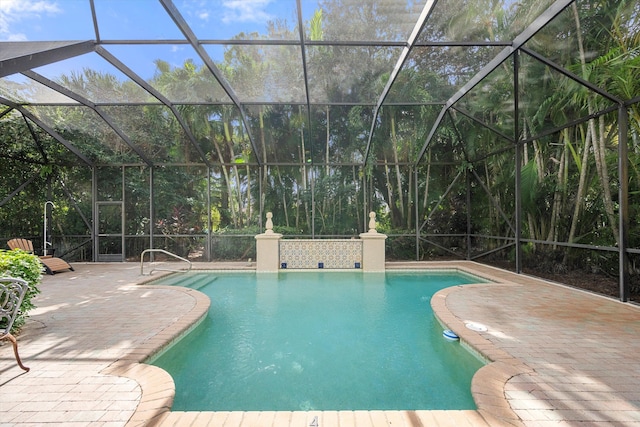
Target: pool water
(319,341)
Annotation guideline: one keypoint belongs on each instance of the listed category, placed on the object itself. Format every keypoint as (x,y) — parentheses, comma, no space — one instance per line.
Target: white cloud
(14,11)
(245,11)
(16,37)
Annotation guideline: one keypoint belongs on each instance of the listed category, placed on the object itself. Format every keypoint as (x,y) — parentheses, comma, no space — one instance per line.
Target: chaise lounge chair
(51,264)
(12,292)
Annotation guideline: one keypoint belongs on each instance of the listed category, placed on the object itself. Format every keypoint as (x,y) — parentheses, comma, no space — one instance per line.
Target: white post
(269,224)
(372,222)
(373,250)
(44,234)
(268,248)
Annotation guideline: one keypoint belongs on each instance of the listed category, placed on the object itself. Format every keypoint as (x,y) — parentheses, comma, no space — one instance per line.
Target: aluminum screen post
(623,213)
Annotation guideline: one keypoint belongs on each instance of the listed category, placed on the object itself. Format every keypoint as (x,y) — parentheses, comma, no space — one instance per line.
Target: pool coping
(487,388)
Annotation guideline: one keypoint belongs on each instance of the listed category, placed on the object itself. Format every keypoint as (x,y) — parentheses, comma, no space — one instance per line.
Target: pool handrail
(161,269)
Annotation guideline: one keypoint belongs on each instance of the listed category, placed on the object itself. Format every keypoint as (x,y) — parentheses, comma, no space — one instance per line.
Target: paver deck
(558,356)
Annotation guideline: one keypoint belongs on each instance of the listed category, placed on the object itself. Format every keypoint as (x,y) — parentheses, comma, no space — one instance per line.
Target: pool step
(204,281)
(190,280)
(183,279)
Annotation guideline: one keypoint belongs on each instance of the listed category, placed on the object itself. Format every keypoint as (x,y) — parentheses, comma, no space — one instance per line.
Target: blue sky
(40,20)
(33,20)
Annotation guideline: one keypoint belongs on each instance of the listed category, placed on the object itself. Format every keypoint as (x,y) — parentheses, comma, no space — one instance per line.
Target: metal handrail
(161,269)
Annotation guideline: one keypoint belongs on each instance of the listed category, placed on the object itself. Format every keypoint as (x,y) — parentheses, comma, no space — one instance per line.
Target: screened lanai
(496,131)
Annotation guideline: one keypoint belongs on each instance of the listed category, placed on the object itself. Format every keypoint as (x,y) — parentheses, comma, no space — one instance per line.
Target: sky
(22,20)
(41,20)
(123,20)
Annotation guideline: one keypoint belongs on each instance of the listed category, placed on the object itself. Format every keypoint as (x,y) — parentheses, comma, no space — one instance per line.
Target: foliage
(400,247)
(180,222)
(233,244)
(26,266)
(321,170)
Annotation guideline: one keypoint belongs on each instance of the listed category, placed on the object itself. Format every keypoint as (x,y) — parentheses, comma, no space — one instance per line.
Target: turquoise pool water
(319,341)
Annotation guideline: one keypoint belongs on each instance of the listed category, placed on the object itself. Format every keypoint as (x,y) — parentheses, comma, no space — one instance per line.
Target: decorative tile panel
(330,253)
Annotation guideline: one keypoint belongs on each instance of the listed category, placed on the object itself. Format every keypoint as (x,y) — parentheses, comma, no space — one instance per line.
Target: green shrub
(230,244)
(26,266)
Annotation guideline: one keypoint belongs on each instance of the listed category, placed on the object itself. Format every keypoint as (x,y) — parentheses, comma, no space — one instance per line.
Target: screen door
(109,234)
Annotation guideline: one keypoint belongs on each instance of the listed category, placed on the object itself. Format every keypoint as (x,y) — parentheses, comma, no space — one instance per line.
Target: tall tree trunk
(237,192)
(227,181)
(389,190)
(265,170)
(249,201)
(603,173)
(530,220)
(540,167)
(558,192)
(326,160)
(425,201)
(284,196)
(409,217)
(304,172)
(297,188)
(525,160)
(328,137)
(581,189)
(599,146)
(394,143)
(355,196)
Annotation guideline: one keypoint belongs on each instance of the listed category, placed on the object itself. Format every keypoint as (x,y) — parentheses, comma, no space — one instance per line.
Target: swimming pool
(319,341)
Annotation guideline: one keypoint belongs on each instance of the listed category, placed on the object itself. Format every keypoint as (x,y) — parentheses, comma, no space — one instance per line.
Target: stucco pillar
(268,248)
(373,250)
